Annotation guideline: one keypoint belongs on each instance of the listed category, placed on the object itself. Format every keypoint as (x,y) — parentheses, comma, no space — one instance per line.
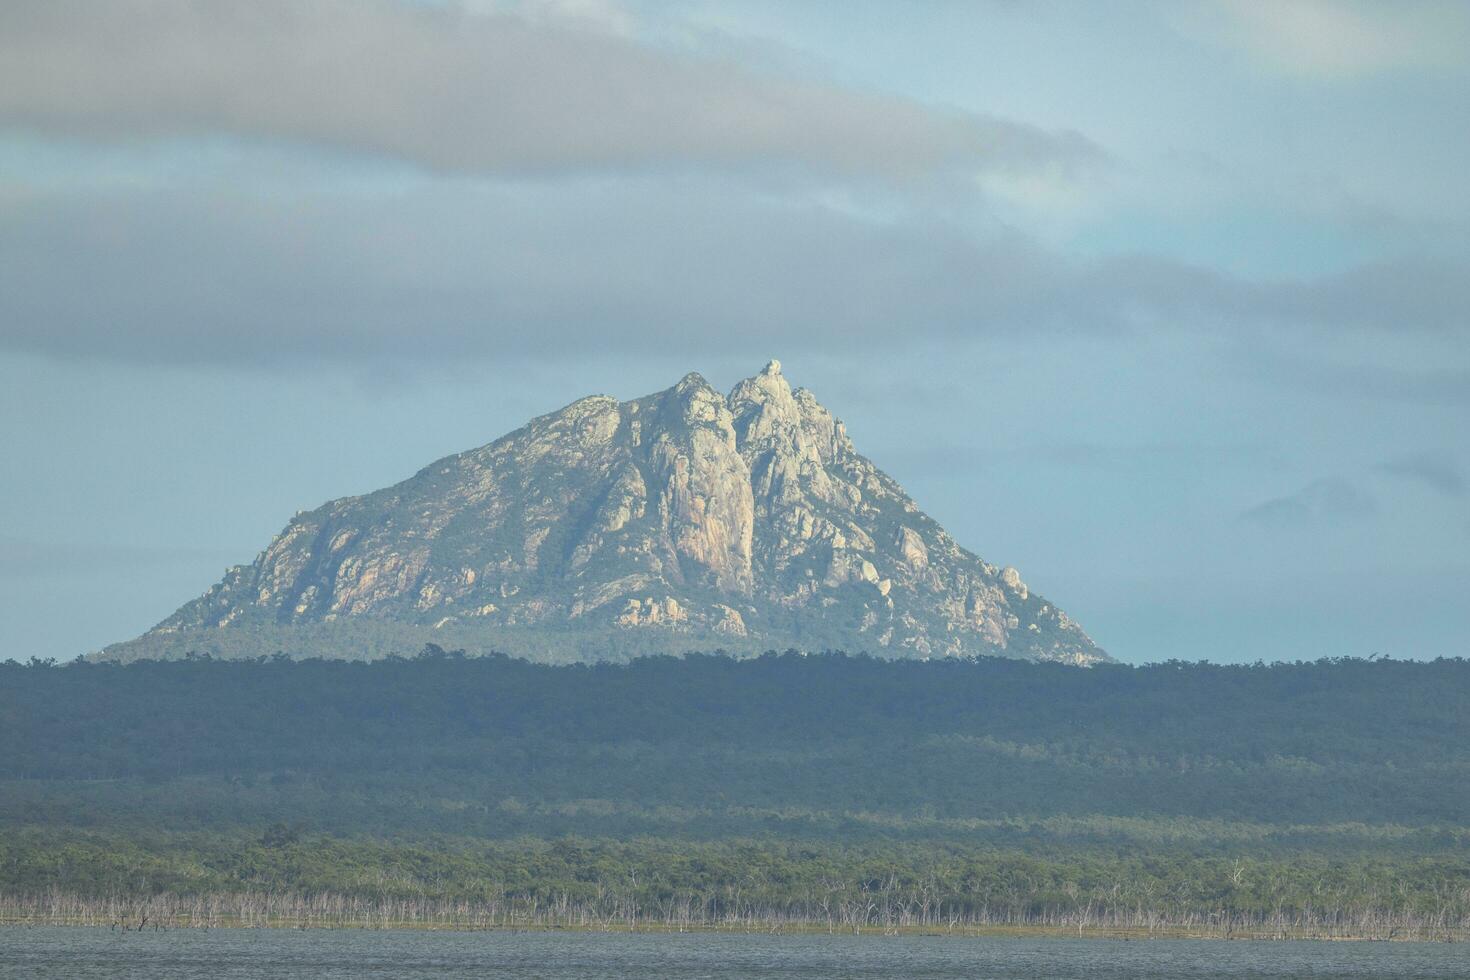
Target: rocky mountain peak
(786,437)
(683,519)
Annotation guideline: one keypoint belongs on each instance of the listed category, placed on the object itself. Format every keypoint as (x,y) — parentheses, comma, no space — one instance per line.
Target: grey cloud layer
(1338,500)
(1437,471)
(671,252)
(531,268)
(465,93)
(1330,500)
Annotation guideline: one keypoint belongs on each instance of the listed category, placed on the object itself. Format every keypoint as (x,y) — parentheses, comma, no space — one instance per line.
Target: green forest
(821,788)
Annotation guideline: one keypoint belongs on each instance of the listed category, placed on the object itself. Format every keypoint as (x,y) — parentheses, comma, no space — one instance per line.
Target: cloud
(1337,39)
(461,92)
(1331,500)
(1436,380)
(1406,293)
(491,269)
(1434,470)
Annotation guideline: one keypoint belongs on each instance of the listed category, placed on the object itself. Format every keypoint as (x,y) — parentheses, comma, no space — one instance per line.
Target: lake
(222,954)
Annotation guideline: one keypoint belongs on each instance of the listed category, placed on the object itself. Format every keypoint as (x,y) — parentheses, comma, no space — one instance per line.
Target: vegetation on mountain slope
(682,519)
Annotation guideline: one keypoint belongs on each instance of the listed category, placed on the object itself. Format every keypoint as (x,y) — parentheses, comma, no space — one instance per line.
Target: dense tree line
(827,746)
(1324,798)
(284,877)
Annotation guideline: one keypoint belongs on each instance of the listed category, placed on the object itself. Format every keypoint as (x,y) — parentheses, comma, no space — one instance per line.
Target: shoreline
(15,918)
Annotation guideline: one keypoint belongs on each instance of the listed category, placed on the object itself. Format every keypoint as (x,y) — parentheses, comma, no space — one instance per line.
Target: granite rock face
(683,520)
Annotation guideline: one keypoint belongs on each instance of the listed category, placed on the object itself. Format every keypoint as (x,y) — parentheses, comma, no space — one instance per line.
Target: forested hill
(706,745)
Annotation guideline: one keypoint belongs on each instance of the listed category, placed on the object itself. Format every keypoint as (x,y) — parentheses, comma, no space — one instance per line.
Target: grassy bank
(256,910)
(284,878)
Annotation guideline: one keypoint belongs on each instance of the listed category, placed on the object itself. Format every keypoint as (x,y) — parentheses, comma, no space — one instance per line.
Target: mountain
(683,520)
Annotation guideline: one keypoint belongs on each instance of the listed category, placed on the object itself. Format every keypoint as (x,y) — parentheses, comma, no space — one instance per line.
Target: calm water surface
(224,954)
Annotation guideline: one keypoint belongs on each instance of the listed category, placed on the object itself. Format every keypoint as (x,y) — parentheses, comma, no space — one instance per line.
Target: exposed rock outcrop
(687,519)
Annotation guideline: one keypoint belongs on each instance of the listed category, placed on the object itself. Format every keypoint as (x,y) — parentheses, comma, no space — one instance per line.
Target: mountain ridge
(683,519)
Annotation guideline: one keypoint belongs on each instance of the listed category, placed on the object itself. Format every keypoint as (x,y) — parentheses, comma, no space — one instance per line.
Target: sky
(1165,304)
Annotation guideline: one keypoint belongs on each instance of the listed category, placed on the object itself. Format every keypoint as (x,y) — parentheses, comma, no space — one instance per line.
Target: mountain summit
(682,520)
